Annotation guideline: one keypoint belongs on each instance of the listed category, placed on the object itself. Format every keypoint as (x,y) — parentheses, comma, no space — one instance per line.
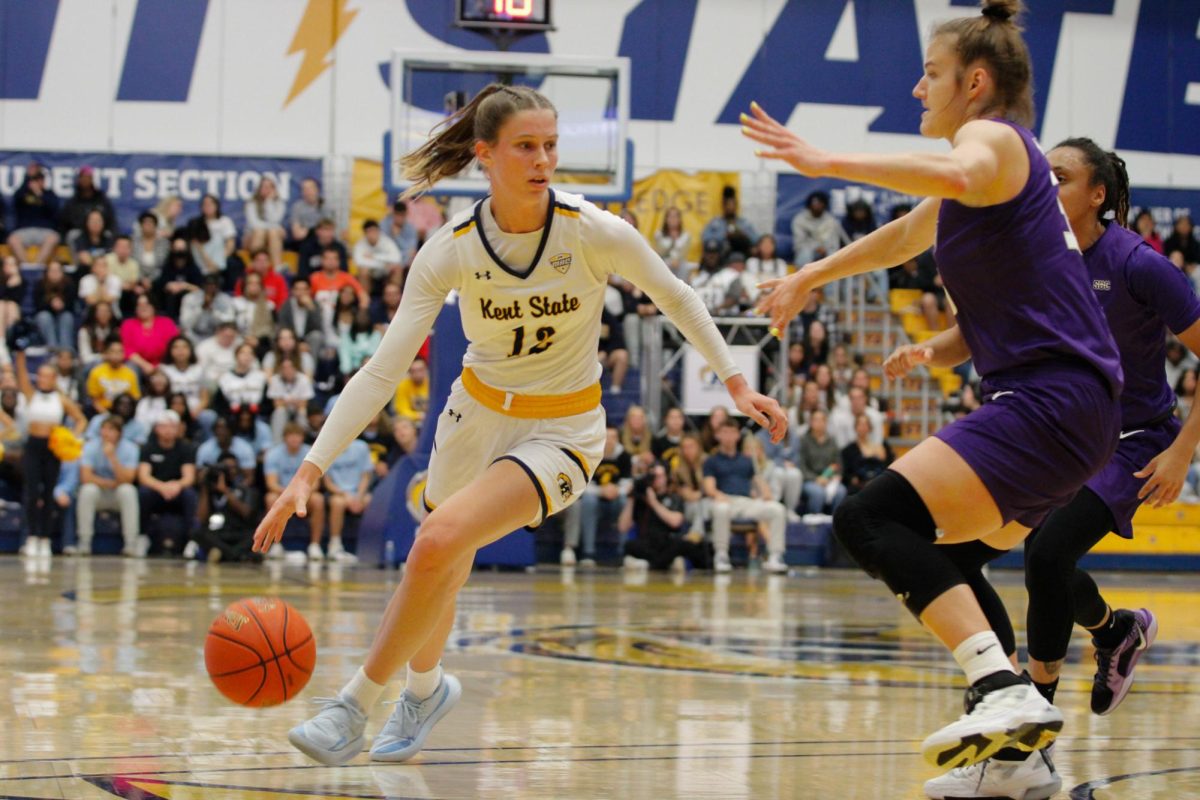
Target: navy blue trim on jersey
(578,463)
(466,224)
(478,220)
(537,485)
(565,207)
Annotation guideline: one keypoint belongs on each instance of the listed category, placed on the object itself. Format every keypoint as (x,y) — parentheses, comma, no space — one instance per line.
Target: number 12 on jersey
(545,338)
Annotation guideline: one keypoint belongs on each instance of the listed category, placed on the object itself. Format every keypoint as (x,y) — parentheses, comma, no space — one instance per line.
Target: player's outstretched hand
(763,410)
(905,358)
(294,500)
(781,144)
(1165,475)
(783,298)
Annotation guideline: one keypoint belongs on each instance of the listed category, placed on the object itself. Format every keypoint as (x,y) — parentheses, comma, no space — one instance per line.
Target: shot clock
(513,15)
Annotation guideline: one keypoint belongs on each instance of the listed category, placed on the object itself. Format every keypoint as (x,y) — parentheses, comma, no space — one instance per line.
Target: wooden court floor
(587,685)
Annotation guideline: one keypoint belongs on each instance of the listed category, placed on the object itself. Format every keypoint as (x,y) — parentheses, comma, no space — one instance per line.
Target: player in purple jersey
(1143,295)
(1024,306)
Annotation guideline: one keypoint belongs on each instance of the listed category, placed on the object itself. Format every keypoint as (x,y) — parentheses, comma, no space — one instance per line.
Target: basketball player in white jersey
(523,428)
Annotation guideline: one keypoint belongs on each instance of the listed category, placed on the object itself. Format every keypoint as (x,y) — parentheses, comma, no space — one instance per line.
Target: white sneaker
(335,549)
(679,565)
(30,548)
(1035,778)
(587,563)
(404,734)
(190,550)
(1015,716)
(775,564)
(567,557)
(343,557)
(315,553)
(721,563)
(70,550)
(276,551)
(143,546)
(44,550)
(636,563)
(335,735)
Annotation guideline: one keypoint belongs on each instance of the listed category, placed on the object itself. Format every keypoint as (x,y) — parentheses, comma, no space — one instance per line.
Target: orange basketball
(260,652)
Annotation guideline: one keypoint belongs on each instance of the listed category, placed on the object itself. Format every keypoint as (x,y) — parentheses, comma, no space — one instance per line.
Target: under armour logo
(486,275)
(452,413)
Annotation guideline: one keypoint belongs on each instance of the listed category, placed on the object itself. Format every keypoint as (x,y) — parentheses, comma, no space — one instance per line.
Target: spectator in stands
(65,492)
(730,231)
(149,249)
(384,307)
(412,393)
(1179,358)
(67,374)
(185,375)
(821,464)
(275,287)
(167,212)
(673,243)
(1183,239)
(99,323)
(287,348)
(811,400)
(301,314)
(154,400)
(842,366)
(223,441)
(112,377)
(823,378)
(290,390)
(124,407)
(687,476)
(206,309)
(817,309)
(780,470)
(665,445)
(357,342)
(1185,393)
(347,484)
(961,403)
(636,437)
(189,429)
(815,231)
(88,197)
(865,457)
(764,265)
(217,354)
(166,484)
(54,301)
(265,211)
(12,293)
(179,276)
(214,240)
(378,259)
(125,267)
(799,365)
(657,509)
(107,472)
(600,504)
(229,506)
(242,386)
(93,242)
(402,232)
(252,313)
(406,437)
(328,378)
(146,336)
(100,285)
(35,217)
(279,466)
(311,252)
(738,492)
(1143,223)
(843,420)
(327,284)
(254,430)
(708,431)
(921,273)
(306,211)
(613,355)
(816,342)
(859,220)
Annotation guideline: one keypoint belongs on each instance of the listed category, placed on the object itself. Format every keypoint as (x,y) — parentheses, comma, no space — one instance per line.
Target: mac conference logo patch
(565,487)
(561,262)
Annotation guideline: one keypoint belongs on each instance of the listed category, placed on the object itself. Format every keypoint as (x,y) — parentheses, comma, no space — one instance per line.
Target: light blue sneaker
(404,734)
(335,735)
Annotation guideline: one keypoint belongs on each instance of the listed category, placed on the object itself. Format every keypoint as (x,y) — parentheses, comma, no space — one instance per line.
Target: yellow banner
(697,195)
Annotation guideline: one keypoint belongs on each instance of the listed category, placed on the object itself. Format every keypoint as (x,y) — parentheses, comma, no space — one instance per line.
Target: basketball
(260,652)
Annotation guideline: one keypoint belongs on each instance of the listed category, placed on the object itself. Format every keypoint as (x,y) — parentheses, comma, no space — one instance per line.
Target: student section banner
(696,194)
(135,182)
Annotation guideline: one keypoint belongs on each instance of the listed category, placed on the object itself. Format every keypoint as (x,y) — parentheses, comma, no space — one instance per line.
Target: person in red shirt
(274,286)
(327,283)
(146,335)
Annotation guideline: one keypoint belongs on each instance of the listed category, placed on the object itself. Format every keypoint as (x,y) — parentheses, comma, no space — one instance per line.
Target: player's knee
(855,531)
(430,557)
(1044,563)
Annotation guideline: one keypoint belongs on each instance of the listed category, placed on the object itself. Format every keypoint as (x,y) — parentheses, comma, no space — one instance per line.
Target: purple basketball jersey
(1142,295)
(1017,282)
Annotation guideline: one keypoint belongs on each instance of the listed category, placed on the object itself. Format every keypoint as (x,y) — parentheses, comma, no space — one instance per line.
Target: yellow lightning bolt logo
(323,23)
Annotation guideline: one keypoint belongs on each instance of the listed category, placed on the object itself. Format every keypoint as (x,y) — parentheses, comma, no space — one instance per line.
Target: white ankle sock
(422,685)
(365,691)
(981,655)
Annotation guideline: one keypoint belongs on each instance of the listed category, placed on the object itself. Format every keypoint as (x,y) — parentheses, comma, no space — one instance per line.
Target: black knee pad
(858,521)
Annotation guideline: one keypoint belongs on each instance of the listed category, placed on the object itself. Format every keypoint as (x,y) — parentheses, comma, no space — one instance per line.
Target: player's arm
(620,249)
(947,349)
(1167,472)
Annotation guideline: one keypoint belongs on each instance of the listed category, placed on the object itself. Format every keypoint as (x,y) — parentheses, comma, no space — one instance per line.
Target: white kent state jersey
(530,305)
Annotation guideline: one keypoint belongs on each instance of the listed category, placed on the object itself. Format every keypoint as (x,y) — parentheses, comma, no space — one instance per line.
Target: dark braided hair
(1108,169)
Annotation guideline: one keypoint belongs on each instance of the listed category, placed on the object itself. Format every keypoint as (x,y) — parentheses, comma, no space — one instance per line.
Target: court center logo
(561,262)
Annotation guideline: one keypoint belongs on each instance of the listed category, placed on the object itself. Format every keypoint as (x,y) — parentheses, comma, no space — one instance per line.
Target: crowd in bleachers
(204,359)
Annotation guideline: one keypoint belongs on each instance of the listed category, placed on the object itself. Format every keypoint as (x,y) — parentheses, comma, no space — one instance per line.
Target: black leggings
(1061,594)
(970,558)
(37,495)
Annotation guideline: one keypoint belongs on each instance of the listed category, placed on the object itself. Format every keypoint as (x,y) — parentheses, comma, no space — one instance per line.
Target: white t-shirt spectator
(89,285)
(243,390)
(376,258)
(299,389)
(188,382)
(214,359)
(841,425)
